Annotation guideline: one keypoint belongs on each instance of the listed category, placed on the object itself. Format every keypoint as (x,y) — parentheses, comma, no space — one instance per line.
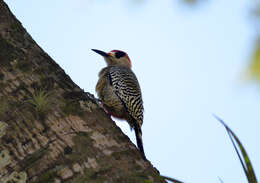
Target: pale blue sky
(188,62)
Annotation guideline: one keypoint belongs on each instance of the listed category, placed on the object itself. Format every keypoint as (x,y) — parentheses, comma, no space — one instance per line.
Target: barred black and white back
(127,88)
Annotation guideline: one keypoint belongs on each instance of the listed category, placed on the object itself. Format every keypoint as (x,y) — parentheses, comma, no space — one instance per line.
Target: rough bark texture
(51,130)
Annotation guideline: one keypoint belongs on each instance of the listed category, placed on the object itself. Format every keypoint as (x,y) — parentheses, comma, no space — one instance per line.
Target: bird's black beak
(104,54)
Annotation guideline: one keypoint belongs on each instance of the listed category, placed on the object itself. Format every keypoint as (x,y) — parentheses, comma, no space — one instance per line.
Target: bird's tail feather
(139,141)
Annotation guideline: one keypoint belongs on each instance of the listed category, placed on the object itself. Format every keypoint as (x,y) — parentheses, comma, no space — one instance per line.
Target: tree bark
(50,129)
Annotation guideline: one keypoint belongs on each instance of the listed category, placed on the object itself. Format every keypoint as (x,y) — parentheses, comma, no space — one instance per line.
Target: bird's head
(115,57)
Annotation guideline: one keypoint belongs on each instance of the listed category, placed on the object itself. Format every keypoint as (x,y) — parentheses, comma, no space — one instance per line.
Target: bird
(119,92)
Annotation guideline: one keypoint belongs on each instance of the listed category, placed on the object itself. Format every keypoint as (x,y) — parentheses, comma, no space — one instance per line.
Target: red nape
(117,51)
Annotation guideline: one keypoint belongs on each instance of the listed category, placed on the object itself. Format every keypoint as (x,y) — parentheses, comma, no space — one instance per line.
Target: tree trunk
(50,129)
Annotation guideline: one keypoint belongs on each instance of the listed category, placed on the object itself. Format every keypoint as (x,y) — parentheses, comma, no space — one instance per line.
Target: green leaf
(244,160)
(254,68)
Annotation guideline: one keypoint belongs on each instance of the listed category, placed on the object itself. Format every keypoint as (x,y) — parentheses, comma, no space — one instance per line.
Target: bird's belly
(112,104)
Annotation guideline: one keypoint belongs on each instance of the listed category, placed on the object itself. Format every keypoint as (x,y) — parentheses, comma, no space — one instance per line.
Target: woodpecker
(120,93)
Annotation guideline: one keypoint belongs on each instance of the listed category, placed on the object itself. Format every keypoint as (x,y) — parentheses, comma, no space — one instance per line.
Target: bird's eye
(119,54)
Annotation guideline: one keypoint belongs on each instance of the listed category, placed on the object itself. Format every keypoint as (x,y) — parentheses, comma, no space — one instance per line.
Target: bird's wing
(127,88)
